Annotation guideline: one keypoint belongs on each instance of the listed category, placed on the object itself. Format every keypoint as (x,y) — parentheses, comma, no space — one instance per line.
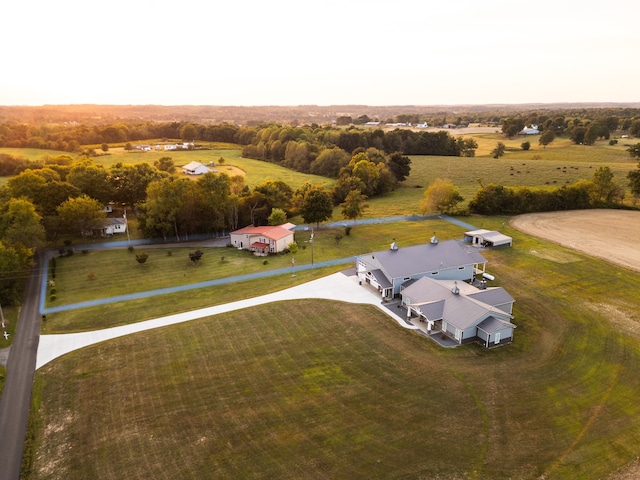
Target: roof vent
(394,245)
(455,290)
(434,239)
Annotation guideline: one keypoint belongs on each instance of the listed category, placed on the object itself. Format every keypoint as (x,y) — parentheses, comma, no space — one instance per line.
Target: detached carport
(487,238)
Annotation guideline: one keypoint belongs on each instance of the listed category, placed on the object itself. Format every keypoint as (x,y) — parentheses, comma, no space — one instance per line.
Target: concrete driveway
(339,286)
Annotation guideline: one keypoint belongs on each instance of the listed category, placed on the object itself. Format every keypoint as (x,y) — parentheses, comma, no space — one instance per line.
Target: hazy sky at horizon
(286,52)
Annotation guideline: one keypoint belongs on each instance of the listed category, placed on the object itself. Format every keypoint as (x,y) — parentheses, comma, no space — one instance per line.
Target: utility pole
(312,242)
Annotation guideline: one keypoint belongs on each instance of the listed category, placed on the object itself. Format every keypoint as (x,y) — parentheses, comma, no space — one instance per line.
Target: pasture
(320,389)
(255,172)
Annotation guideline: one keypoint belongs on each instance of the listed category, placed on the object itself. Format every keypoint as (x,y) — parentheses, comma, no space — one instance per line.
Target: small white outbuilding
(487,238)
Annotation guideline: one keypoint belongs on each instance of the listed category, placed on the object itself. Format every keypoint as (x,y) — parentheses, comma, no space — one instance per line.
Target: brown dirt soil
(611,235)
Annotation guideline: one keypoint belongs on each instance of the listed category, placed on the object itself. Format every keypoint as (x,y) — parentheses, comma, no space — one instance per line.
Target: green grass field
(109,273)
(320,389)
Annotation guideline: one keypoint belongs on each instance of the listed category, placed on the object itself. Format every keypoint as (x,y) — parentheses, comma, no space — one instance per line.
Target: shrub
(84,251)
(347,230)
(52,298)
(53,291)
(169,253)
(265,262)
(130,248)
(141,258)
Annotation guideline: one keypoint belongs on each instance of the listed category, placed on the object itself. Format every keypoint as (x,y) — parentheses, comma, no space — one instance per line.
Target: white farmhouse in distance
(532,130)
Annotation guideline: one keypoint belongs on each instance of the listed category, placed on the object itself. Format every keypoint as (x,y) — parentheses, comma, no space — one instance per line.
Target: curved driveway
(333,287)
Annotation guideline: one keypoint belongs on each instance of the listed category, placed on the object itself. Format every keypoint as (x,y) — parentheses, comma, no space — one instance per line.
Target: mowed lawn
(321,389)
(102,274)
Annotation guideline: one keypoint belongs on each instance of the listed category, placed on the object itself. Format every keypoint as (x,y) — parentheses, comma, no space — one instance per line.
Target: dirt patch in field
(612,235)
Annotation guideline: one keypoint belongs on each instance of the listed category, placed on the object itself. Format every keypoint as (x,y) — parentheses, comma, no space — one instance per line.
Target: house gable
(264,239)
(461,309)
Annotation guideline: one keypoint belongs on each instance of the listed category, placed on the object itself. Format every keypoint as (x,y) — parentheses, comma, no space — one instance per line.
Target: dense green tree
(92,180)
(165,164)
(605,190)
(189,133)
(10,164)
(367,172)
(216,191)
(277,217)
(276,193)
(329,162)
(81,215)
(498,151)
(20,224)
(400,166)
(511,126)
(174,207)
(634,150)
(354,206)
(14,269)
(441,196)
(344,120)
(577,135)
(546,138)
(317,205)
(27,184)
(130,181)
(468,146)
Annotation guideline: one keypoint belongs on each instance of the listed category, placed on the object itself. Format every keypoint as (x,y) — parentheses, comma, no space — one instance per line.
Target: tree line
(580,129)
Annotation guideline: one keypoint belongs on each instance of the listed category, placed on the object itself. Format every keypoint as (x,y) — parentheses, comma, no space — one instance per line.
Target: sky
(330,52)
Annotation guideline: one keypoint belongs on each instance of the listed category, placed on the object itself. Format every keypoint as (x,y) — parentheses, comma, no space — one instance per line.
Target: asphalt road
(16,395)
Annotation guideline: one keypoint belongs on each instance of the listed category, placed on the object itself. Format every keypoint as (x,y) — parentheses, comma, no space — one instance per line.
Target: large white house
(263,240)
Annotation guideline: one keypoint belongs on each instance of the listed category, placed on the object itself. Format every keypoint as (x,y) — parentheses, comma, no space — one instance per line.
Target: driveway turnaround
(338,287)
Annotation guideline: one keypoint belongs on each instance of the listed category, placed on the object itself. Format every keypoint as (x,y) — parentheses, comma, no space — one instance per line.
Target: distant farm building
(195,168)
(532,130)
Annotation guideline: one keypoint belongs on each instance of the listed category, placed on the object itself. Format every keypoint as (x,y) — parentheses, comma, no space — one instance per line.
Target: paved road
(16,395)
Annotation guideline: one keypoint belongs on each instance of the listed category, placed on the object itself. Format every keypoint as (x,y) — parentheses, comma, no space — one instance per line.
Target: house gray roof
(426,258)
(114,221)
(381,279)
(492,296)
(493,324)
(460,310)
